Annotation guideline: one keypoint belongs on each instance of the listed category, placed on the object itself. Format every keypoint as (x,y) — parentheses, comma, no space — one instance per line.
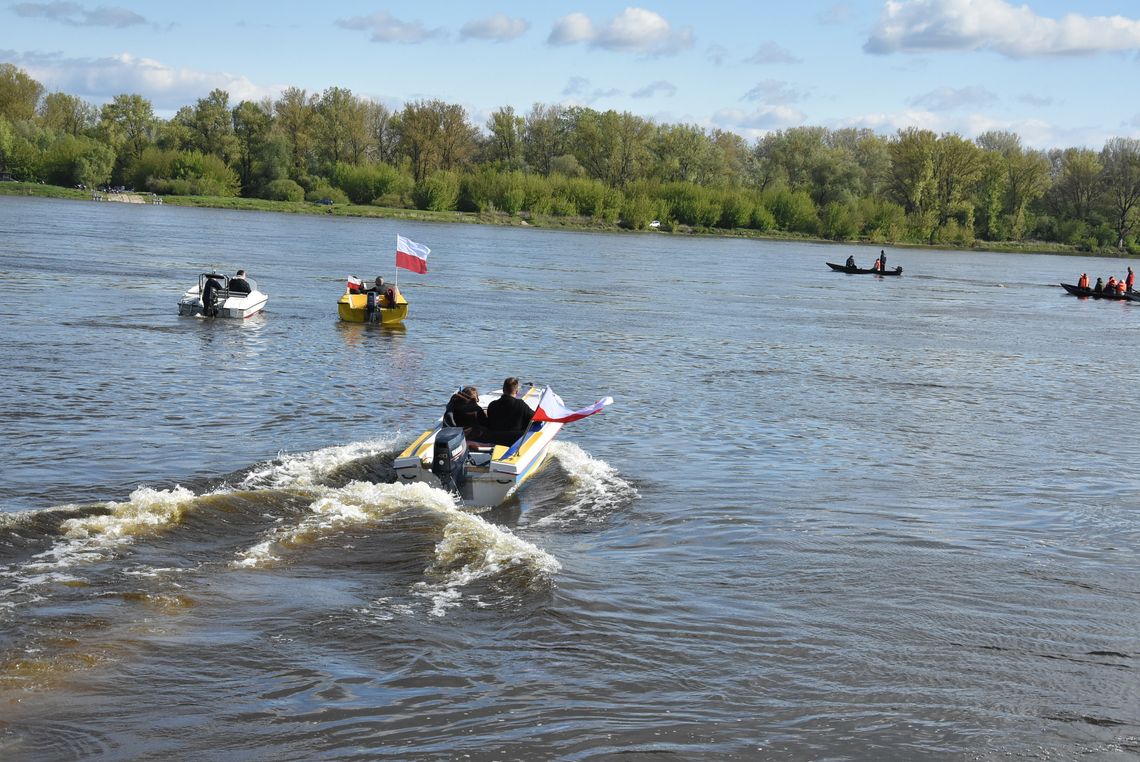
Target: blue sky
(1059,74)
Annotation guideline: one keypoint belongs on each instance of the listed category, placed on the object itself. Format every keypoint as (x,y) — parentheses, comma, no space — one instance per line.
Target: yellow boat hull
(353,308)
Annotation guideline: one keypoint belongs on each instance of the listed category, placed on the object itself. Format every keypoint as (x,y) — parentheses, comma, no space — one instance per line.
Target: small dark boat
(1131,296)
(862,270)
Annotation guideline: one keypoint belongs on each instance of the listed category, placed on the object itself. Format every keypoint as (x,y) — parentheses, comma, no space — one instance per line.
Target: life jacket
(1120,287)
(1083,282)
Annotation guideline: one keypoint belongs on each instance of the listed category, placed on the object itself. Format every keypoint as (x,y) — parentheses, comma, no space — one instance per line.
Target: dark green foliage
(283,190)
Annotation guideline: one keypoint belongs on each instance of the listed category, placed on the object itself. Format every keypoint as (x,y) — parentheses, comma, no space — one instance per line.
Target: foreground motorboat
(214,297)
(482,474)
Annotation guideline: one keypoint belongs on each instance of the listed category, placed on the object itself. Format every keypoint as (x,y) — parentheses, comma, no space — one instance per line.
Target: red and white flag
(551,408)
(411,255)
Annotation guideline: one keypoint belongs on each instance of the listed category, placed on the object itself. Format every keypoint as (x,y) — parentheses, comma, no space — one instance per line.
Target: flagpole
(397,281)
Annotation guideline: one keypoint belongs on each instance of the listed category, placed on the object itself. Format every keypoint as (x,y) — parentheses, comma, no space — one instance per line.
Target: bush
(283,190)
(322,191)
(364,183)
(183,173)
(439,192)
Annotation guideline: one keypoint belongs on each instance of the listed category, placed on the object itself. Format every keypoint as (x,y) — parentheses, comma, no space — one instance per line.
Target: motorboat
(380,304)
(218,295)
(485,474)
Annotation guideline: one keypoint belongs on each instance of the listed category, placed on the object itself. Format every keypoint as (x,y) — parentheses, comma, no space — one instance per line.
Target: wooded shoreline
(543,222)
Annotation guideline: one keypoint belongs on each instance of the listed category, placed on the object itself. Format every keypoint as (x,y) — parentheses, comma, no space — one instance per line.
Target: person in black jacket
(463,410)
(238,284)
(508,416)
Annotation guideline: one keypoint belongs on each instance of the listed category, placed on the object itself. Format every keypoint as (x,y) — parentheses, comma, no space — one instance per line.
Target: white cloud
(760,121)
(499,28)
(74,14)
(654,88)
(773,92)
(100,79)
(579,92)
(950,98)
(634,30)
(1014,31)
(387,28)
(770,53)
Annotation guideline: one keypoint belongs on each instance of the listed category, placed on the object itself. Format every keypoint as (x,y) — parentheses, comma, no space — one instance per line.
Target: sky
(1059,74)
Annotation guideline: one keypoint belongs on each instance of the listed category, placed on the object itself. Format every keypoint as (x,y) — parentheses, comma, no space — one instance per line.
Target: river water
(827,517)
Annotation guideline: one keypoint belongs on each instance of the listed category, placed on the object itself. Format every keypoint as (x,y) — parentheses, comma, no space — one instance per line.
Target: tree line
(845,184)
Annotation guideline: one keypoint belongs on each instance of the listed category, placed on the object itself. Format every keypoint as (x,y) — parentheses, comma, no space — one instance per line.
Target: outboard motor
(371,314)
(449,459)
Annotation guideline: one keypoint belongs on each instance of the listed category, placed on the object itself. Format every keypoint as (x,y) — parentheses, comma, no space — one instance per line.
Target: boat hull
(1129,296)
(233,308)
(863,270)
(353,308)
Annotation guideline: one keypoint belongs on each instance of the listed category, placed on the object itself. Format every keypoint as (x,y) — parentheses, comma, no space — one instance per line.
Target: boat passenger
(882,260)
(851,263)
(1099,287)
(508,416)
(1110,285)
(1083,281)
(877,265)
(210,296)
(1120,289)
(1130,279)
(239,285)
(463,410)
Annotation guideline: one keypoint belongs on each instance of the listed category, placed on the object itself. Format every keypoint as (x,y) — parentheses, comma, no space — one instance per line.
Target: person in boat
(463,410)
(882,260)
(1083,281)
(1099,287)
(1129,280)
(851,263)
(1110,285)
(239,285)
(355,285)
(210,295)
(508,416)
(1120,288)
(877,265)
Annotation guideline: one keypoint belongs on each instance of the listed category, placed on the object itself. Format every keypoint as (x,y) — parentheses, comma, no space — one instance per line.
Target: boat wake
(303,509)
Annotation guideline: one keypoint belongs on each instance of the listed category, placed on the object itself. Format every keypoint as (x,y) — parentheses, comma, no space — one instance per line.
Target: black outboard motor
(371,313)
(449,459)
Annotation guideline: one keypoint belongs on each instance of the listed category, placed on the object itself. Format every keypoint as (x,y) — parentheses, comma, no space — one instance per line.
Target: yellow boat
(354,307)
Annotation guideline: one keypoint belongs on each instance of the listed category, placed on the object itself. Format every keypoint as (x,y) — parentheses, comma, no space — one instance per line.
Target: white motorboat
(218,295)
(483,474)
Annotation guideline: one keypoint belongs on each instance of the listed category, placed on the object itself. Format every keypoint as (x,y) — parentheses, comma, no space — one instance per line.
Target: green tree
(127,124)
(546,137)
(19,93)
(435,136)
(506,142)
(251,125)
(67,113)
(212,126)
(295,116)
(1121,182)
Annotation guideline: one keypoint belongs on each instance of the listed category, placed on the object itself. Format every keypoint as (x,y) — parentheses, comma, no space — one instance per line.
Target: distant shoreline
(542,222)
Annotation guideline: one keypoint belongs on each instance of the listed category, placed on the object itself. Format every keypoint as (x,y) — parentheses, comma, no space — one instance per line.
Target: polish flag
(551,408)
(411,255)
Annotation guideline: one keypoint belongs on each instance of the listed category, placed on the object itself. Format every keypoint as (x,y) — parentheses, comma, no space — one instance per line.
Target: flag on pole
(551,408)
(411,255)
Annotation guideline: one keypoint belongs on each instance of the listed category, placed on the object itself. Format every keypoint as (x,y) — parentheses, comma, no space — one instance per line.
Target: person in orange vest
(1084,281)
(1110,285)
(1120,288)
(1130,279)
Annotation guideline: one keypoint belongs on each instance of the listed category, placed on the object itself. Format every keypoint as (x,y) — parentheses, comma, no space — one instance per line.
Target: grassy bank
(535,221)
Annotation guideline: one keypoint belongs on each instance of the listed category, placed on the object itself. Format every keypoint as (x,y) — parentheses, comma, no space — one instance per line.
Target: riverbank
(547,222)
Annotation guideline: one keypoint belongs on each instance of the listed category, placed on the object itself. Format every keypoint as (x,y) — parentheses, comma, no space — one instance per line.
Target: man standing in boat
(508,416)
(882,261)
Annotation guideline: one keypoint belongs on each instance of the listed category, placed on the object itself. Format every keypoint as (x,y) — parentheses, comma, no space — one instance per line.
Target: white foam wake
(306,469)
(470,549)
(596,490)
